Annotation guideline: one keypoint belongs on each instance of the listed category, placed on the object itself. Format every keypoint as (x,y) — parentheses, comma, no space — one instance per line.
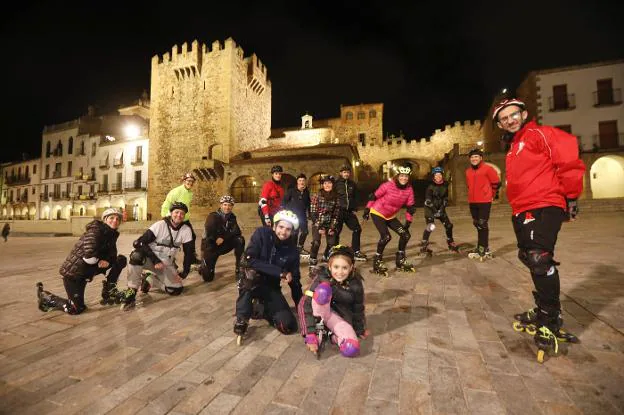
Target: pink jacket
(390,199)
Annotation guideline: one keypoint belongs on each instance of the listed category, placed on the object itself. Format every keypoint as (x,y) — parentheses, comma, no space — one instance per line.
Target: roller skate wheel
(517,326)
(531,330)
(239,340)
(540,356)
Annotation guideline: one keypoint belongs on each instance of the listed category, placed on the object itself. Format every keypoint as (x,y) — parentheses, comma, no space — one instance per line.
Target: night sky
(429,64)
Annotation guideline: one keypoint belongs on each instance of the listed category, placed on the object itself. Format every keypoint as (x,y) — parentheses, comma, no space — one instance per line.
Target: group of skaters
(543,180)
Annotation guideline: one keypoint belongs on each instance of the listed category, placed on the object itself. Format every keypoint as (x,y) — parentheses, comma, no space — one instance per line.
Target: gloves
(572,208)
(366,214)
(267,220)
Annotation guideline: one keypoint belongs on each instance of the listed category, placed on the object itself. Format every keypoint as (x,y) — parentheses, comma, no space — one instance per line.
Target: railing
(118,162)
(562,105)
(84,196)
(610,141)
(135,185)
(17,180)
(136,160)
(607,97)
(104,164)
(116,188)
(56,174)
(85,177)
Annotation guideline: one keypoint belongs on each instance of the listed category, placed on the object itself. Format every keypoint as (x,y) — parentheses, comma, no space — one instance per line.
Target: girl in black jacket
(94,253)
(336,297)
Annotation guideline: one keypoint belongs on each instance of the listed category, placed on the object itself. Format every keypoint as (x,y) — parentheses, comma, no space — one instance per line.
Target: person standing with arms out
(347,193)
(94,253)
(483,184)
(297,199)
(436,201)
(386,202)
(271,196)
(544,179)
(324,212)
(182,194)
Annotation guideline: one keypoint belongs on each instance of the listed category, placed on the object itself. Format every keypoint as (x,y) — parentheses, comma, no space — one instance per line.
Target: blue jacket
(269,258)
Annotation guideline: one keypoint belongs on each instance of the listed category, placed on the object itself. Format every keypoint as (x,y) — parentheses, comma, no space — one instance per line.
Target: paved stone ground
(442,340)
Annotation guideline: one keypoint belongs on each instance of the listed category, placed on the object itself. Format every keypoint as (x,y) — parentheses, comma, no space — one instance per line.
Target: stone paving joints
(441,342)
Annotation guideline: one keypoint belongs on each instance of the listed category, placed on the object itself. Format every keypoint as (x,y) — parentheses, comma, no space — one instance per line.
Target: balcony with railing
(118,162)
(84,177)
(607,97)
(56,174)
(116,188)
(135,186)
(104,163)
(136,161)
(17,180)
(85,196)
(563,103)
(608,141)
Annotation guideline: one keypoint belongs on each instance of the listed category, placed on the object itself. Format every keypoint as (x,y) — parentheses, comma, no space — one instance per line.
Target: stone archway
(245,189)
(607,177)
(314,184)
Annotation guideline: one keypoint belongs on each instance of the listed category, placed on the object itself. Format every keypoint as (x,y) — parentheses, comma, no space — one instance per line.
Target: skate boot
(424,249)
(48,301)
(480,254)
(257,309)
(127,298)
(379,267)
(110,294)
(312,265)
(146,281)
(303,253)
(452,246)
(359,256)
(240,328)
(402,264)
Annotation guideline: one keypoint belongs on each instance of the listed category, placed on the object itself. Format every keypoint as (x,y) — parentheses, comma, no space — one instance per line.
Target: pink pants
(341,329)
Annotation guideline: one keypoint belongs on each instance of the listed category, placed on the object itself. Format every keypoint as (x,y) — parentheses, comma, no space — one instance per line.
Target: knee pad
(430,227)
(121,261)
(538,261)
(322,293)
(137,257)
(385,238)
(174,290)
(350,348)
(482,224)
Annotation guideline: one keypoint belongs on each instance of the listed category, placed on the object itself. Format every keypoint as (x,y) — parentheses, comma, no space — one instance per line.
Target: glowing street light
(132,131)
(479,143)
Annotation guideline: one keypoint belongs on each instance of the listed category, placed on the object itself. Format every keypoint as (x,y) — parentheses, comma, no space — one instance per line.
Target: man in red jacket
(544,178)
(271,196)
(483,183)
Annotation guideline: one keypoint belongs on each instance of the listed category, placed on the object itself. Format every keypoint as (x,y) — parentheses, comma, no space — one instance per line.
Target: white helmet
(111,211)
(288,216)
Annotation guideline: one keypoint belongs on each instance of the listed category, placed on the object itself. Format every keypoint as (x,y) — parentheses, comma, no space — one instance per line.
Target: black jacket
(270,257)
(298,202)
(436,197)
(218,225)
(99,241)
(347,301)
(347,193)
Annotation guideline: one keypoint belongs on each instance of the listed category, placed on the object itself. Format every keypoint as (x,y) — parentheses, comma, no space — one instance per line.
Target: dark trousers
(348,218)
(536,232)
(194,237)
(300,235)
(330,241)
(211,252)
(276,309)
(382,226)
(480,213)
(431,216)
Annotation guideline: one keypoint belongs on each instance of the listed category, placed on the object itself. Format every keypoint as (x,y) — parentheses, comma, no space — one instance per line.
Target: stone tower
(206,106)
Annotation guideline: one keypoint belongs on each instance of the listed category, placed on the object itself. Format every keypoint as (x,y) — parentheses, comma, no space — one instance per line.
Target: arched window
(361,115)
(313,183)
(349,115)
(372,114)
(245,189)
(70,145)
(48,149)
(59,149)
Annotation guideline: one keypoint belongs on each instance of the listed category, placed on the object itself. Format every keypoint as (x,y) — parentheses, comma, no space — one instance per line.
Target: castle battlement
(185,56)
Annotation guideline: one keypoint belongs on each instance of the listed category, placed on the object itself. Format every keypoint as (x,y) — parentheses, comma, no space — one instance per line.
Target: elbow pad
(90,261)
(262,202)
(323,293)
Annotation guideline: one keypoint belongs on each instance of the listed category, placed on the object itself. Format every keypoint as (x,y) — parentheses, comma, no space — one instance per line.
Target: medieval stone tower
(206,106)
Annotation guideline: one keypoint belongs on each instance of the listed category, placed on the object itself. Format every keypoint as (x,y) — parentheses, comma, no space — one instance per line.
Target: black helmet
(341,250)
(345,167)
(327,178)
(475,152)
(277,169)
(178,205)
